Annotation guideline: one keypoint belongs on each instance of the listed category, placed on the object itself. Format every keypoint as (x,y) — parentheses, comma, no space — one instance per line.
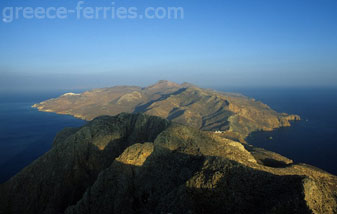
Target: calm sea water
(313,140)
(25,133)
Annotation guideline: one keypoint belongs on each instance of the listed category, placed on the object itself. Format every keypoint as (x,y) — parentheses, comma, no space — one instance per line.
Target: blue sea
(313,140)
(26,134)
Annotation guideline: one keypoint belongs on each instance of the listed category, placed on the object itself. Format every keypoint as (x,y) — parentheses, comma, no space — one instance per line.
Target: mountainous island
(234,114)
(166,148)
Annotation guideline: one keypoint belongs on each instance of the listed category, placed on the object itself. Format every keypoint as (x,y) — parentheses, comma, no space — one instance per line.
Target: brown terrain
(205,109)
(178,149)
(136,163)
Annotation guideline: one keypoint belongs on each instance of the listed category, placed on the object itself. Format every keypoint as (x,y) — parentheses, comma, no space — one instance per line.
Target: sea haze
(313,140)
(25,133)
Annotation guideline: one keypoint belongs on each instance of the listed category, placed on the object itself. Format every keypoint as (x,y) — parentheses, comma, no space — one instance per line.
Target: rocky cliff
(135,163)
(204,109)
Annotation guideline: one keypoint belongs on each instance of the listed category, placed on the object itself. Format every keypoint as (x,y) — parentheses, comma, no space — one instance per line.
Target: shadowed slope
(144,164)
(60,177)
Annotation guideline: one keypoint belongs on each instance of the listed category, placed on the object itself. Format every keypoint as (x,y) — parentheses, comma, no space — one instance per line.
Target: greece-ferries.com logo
(81,10)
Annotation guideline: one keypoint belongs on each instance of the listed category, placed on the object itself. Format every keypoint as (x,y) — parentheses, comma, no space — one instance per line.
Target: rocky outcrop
(187,104)
(134,163)
(60,177)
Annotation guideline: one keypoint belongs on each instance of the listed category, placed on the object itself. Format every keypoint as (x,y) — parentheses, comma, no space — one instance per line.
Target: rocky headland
(166,148)
(137,163)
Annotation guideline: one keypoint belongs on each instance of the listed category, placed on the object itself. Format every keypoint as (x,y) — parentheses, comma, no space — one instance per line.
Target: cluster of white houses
(219,132)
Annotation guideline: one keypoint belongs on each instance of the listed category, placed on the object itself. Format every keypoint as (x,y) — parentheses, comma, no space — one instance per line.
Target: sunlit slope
(135,163)
(184,103)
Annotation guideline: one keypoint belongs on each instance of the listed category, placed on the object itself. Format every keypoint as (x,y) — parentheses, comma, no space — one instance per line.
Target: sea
(313,139)
(26,134)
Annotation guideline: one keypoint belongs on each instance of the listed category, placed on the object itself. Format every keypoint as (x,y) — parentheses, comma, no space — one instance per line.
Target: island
(176,149)
(234,115)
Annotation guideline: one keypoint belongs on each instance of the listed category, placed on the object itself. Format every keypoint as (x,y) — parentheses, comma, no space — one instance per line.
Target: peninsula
(234,115)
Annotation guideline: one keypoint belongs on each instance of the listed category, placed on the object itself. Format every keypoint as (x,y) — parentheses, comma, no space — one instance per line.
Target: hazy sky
(218,43)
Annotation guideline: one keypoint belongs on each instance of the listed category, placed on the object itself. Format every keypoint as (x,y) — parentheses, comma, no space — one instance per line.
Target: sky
(229,43)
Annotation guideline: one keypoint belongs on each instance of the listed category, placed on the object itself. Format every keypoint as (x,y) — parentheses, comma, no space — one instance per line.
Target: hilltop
(136,163)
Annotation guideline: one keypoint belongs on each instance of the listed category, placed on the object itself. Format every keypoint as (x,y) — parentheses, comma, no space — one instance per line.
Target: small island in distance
(166,148)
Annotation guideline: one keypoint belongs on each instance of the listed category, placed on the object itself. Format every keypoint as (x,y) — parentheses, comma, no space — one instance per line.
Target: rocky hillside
(135,163)
(184,103)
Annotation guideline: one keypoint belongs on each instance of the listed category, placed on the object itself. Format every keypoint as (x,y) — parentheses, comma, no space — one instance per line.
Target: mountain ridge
(185,103)
(136,163)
